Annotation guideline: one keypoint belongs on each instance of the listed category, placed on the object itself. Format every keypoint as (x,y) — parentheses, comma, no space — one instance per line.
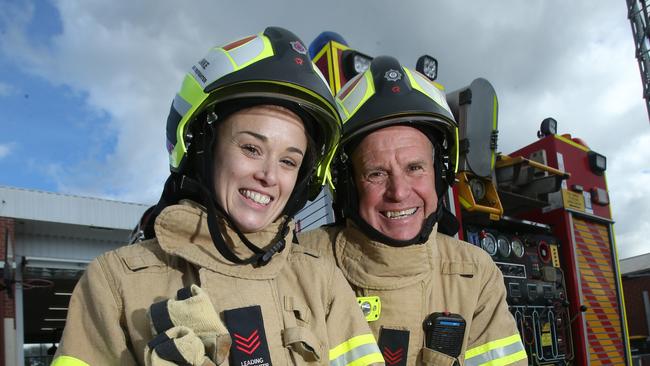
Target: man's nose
(398,188)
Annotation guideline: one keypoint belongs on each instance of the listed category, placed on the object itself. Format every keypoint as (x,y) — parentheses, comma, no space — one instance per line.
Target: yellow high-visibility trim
(350,344)
(495,110)
(266,52)
(68,361)
(464,202)
(507,360)
(368,360)
(370,90)
(499,343)
(572,143)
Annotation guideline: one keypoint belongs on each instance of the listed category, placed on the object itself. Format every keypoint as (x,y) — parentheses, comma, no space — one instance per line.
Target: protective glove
(176,346)
(192,308)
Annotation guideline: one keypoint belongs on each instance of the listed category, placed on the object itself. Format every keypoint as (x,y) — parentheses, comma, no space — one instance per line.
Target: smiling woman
(222,279)
(257,156)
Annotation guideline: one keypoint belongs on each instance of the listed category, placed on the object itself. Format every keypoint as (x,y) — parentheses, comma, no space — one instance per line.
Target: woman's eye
(250,150)
(289,162)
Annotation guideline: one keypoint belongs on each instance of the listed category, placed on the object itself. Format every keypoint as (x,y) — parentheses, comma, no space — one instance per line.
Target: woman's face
(258,154)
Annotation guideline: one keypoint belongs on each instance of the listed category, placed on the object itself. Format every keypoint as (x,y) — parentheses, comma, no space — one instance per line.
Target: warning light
(354,63)
(547,128)
(597,162)
(428,66)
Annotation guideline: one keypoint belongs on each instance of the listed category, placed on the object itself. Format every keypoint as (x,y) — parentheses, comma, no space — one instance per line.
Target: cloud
(573,61)
(5,149)
(6,89)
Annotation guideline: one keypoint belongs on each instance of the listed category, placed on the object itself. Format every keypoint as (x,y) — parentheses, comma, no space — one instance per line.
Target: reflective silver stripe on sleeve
(494,354)
(355,354)
(181,105)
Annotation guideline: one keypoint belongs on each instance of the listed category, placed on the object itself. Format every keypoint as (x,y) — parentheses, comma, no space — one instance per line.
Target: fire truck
(541,212)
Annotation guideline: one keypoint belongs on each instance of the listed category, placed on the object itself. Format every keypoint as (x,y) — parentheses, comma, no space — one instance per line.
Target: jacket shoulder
(136,257)
(320,240)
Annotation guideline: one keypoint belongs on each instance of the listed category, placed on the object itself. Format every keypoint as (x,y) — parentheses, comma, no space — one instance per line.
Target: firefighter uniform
(441,275)
(297,309)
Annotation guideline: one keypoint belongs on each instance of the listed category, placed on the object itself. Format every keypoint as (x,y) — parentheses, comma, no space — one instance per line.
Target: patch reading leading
(249,346)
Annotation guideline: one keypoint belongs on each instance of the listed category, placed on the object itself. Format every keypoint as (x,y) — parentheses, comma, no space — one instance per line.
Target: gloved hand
(192,308)
(176,346)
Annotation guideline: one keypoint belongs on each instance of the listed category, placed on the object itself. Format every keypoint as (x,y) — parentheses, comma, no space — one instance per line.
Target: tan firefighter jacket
(306,309)
(409,283)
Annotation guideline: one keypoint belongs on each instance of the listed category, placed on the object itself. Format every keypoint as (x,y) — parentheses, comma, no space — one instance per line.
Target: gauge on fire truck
(518,248)
(503,246)
(478,189)
(489,243)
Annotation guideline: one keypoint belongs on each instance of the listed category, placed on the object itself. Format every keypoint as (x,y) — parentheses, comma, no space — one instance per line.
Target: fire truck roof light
(547,128)
(354,63)
(597,162)
(428,66)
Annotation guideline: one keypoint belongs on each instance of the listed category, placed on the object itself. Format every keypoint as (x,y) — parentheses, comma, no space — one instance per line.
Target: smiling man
(430,299)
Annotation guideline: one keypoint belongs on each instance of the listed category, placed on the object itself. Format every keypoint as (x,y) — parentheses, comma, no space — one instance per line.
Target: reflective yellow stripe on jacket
(503,351)
(358,351)
(68,361)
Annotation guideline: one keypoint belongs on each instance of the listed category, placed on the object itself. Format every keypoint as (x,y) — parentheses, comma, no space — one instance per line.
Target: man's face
(394,175)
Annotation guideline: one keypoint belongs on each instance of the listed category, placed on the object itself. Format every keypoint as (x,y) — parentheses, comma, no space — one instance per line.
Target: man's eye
(414,168)
(375,176)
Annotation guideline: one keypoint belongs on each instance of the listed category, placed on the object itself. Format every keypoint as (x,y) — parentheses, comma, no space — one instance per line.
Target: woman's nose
(267,174)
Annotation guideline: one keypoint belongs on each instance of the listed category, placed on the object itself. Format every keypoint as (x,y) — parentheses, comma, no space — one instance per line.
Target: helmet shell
(272,65)
(388,94)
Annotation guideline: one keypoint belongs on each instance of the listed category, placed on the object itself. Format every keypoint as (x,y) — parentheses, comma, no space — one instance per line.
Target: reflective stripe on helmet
(354,94)
(181,105)
(185,103)
(424,85)
(221,61)
(68,361)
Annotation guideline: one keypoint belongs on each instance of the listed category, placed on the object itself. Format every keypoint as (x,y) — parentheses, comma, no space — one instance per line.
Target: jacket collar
(374,265)
(182,230)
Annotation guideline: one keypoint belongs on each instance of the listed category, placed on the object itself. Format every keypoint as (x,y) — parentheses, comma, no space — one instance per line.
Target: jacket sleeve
(350,339)
(493,336)
(93,334)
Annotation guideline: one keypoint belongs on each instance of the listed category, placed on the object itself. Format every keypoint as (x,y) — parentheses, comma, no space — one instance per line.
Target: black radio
(444,332)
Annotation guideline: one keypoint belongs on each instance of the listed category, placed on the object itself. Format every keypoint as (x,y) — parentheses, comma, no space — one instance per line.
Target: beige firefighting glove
(176,346)
(192,308)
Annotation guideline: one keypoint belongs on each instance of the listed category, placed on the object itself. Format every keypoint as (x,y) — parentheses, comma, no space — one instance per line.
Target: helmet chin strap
(420,238)
(204,188)
(261,256)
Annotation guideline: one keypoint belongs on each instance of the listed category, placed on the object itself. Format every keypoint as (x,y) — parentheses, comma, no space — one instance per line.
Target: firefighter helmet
(271,67)
(388,94)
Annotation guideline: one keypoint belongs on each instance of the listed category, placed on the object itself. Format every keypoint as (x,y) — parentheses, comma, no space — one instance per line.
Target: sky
(85,86)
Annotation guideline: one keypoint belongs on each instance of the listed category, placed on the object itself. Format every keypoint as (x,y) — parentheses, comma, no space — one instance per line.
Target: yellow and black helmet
(388,94)
(271,67)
